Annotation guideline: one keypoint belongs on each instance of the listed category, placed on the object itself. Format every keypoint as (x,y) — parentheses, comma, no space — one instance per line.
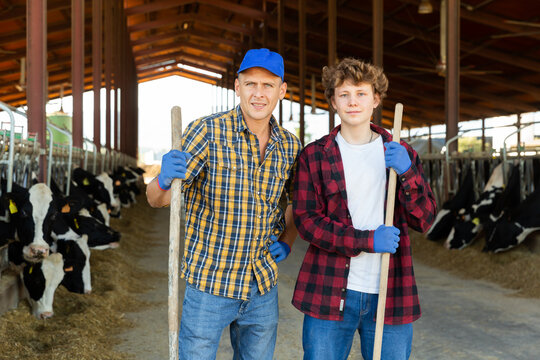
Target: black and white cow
(76,255)
(470,221)
(508,200)
(447,215)
(100,187)
(69,266)
(512,230)
(40,279)
(32,212)
(76,221)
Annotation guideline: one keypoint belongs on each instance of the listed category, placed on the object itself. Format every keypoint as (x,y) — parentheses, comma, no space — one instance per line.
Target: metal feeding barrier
(445,171)
(19,155)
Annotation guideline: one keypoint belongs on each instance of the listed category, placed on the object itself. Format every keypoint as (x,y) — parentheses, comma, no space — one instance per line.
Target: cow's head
(41,281)
(503,237)
(105,192)
(33,212)
(76,265)
(463,233)
(442,225)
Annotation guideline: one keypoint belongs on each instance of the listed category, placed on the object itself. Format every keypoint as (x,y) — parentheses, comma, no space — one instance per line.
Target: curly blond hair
(357,71)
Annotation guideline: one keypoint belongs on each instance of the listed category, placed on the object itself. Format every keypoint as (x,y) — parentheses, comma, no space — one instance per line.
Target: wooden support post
(452,71)
(36,91)
(77,69)
(97,43)
(302,64)
(281,41)
(108,70)
(332,50)
(378,49)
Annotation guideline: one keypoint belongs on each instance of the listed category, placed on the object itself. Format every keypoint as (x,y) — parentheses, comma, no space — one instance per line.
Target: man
(339,205)
(236,165)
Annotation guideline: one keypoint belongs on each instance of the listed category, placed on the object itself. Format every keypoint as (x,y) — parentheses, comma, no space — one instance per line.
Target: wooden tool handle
(174,238)
(389,221)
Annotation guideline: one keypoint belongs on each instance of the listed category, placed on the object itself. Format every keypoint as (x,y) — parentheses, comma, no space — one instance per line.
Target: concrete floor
(462,319)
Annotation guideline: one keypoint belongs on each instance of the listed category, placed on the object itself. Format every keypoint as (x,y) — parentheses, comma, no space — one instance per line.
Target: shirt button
(407,193)
(258,193)
(402,179)
(343,290)
(346,265)
(260,216)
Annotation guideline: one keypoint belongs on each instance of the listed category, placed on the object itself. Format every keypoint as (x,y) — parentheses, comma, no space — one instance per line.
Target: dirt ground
(465,310)
(475,305)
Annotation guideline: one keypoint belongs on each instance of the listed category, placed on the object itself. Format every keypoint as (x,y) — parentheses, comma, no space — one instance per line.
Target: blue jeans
(253,324)
(332,340)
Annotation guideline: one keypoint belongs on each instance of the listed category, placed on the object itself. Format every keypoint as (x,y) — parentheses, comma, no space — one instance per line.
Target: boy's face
(259,91)
(355,103)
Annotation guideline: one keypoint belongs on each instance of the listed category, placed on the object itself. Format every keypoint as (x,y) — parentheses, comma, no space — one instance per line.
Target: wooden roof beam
(176,46)
(513,83)
(20,36)
(191,33)
(180,44)
(180,18)
(357,16)
(156,6)
(224,5)
(480,17)
(15,12)
(183,55)
(179,72)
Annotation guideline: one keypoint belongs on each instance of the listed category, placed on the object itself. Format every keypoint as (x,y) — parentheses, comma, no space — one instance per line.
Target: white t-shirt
(365,181)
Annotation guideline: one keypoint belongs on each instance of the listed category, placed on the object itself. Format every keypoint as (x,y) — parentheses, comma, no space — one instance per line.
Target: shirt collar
(330,140)
(239,124)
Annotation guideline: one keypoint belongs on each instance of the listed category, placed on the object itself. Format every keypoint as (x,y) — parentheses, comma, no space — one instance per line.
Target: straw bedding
(83,326)
(517,269)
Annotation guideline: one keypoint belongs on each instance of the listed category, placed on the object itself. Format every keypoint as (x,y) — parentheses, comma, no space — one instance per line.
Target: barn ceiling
(500,48)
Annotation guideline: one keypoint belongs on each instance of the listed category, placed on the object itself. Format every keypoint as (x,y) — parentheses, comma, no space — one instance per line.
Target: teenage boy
(236,165)
(339,205)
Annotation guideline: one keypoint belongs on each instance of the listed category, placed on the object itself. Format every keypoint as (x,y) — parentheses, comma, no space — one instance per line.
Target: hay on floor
(83,326)
(517,269)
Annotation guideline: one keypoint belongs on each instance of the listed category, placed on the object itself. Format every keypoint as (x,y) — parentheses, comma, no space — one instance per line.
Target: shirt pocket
(335,206)
(273,184)
(225,170)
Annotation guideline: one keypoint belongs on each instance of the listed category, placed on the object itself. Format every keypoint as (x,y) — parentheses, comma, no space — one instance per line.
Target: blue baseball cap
(263,58)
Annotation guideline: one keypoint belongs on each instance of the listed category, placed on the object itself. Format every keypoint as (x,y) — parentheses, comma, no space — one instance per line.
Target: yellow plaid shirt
(232,203)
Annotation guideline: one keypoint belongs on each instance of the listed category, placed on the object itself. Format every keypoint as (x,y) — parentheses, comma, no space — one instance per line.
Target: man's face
(259,91)
(355,103)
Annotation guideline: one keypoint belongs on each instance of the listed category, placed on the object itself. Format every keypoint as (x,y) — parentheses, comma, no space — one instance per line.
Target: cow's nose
(40,252)
(46,315)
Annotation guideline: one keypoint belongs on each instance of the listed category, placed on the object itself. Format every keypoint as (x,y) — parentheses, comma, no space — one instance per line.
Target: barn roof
(500,48)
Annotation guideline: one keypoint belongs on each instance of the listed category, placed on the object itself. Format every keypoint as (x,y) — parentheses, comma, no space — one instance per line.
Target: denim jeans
(332,340)
(252,324)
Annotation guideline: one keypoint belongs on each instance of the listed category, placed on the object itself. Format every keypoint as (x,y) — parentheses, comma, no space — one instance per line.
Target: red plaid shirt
(322,218)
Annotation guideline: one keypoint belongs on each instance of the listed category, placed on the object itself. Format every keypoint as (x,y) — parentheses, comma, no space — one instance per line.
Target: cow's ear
(61,204)
(11,201)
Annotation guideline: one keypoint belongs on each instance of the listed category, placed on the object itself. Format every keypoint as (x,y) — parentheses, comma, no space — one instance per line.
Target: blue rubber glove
(386,239)
(173,166)
(397,157)
(279,250)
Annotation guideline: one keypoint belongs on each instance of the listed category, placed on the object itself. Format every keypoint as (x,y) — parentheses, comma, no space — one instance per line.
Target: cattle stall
(86,215)
(484,193)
